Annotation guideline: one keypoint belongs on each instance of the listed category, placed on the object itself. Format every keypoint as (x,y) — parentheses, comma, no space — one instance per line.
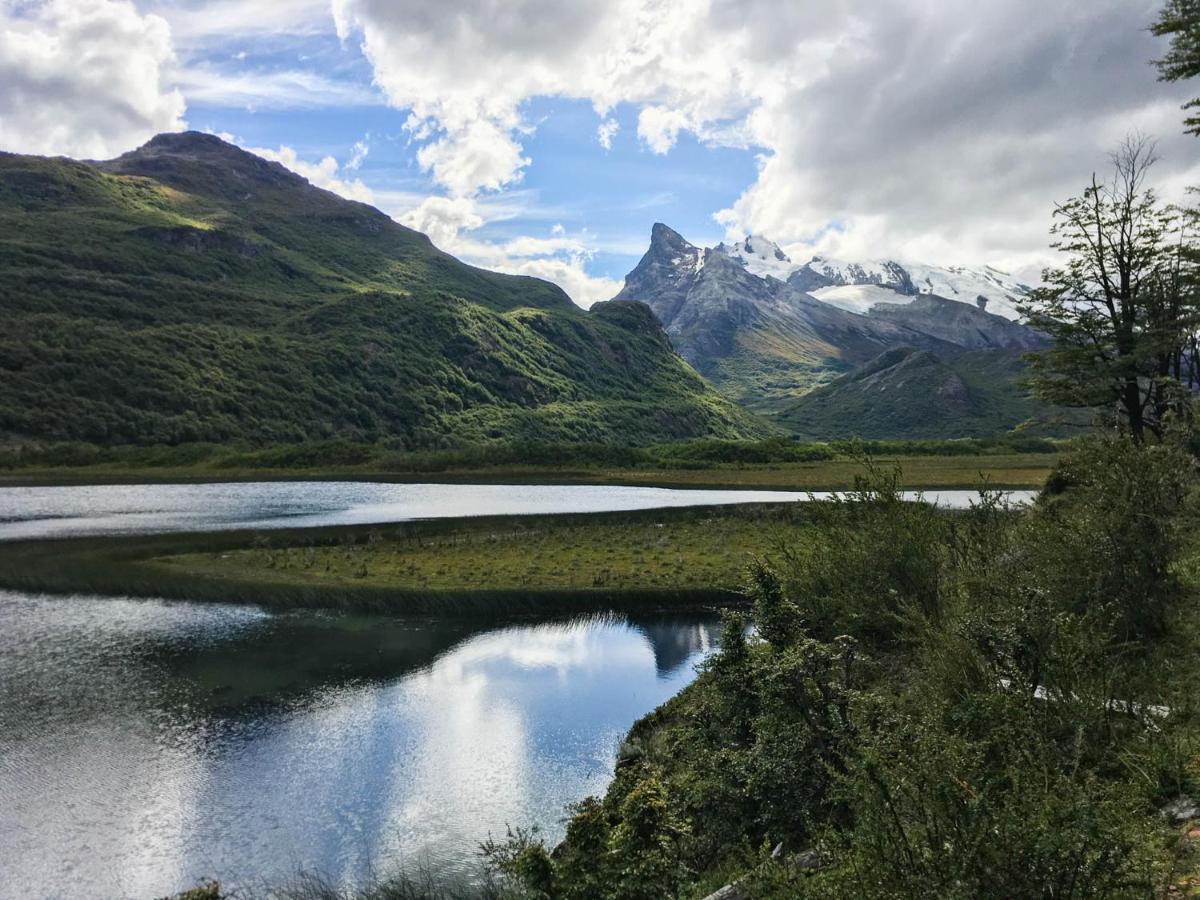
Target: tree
(1181,20)
(1122,311)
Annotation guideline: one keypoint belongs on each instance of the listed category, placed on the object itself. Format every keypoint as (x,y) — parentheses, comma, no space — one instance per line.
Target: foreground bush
(930,705)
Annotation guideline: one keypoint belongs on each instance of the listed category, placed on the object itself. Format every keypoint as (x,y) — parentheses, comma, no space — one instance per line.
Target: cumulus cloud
(443,218)
(909,127)
(325,173)
(86,78)
(560,258)
(659,127)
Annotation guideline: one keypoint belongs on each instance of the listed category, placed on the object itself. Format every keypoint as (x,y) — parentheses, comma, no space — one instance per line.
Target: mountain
(906,393)
(766,331)
(190,291)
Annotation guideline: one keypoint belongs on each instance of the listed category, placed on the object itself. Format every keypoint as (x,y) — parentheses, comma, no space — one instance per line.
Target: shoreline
(139,566)
(1007,471)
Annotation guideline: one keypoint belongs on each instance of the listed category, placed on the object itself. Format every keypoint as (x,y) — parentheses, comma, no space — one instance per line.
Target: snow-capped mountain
(826,278)
(988,288)
(766,329)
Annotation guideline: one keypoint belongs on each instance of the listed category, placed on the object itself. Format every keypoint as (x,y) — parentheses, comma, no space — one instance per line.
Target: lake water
(31,512)
(145,745)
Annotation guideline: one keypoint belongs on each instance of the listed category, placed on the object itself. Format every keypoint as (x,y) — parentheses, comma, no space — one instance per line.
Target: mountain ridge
(190,291)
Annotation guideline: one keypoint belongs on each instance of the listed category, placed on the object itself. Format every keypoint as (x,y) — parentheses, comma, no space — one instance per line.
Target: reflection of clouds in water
(141,508)
(138,793)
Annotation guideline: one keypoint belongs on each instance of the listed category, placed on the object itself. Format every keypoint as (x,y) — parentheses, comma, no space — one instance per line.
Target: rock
(1181,809)
(729,892)
(809,859)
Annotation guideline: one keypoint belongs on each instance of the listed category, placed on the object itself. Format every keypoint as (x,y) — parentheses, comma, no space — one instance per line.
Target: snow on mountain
(859,298)
(985,287)
(761,256)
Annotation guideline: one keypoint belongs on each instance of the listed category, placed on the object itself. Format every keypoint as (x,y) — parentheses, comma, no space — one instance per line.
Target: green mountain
(907,393)
(190,291)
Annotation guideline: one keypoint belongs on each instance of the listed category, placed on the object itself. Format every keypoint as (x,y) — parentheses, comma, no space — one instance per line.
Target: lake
(34,512)
(145,744)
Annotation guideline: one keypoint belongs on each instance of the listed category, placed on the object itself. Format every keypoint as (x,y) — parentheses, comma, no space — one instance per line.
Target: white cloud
(277,89)
(478,155)
(560,258)
(361,149)
(443,218)
(86,78)
(324,174)
(660,127)
(898,127)
(195,22)
(606,131)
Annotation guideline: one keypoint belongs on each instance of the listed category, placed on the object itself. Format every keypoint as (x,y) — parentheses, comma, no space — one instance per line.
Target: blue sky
(545,138)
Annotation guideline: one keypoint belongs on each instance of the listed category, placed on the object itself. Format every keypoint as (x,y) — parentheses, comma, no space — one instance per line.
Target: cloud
(85,78)
(277,89)
(324,174)
(606,131)
(442,218)
(476,156)
(560,258)
(906,127)
(361,149)
(660,127)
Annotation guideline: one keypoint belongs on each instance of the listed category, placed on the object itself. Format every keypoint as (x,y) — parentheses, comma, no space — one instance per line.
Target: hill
(906,393)
(190,291)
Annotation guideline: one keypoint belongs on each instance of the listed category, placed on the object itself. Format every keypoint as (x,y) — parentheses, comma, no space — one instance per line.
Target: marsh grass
(506,565)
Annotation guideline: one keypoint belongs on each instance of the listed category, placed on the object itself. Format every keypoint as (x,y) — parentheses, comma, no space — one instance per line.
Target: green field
(667,551)
(773,463)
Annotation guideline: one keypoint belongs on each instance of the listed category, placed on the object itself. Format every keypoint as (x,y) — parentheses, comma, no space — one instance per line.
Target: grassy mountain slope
(908,393)
(189,291)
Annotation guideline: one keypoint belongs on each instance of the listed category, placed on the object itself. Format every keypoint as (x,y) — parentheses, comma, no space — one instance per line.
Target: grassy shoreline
(929,471)
(213,567)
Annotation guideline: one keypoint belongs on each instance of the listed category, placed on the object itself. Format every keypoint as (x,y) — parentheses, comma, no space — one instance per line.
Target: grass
(698,552)
(812,467)
(503,567)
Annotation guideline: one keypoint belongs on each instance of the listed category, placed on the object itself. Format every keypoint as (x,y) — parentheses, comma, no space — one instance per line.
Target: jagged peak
(665,236)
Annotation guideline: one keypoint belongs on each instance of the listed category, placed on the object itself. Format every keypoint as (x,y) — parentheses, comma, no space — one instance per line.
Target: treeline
(385,458)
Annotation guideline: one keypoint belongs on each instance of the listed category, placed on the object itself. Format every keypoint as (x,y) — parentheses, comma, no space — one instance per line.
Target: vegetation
(689,552)
(771,463)
(1123,310)
(1180,20)
(191,292)
(995,704)
(907,393)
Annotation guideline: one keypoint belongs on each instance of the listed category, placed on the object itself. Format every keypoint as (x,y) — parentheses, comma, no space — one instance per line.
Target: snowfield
(859,298)
(859,285)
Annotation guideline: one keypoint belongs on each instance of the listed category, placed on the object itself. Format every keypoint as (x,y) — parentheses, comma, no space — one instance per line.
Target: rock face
(766,330)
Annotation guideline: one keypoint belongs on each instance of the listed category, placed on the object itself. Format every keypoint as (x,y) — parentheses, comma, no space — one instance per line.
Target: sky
(545,137)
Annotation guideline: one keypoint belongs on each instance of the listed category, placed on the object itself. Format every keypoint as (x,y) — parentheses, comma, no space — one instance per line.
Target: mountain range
(189,291)
(831,349)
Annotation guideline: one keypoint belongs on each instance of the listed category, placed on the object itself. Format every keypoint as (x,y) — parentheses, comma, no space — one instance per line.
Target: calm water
(145,744)
(28,512)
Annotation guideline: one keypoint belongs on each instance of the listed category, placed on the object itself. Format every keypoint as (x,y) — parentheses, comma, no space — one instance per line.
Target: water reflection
(144,745)
(35,512)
